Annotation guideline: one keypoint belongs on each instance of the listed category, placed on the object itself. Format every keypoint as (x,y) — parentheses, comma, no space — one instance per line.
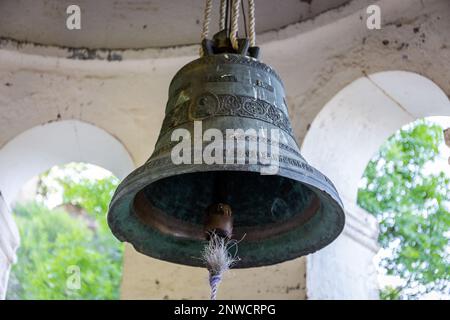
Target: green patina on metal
(160,207)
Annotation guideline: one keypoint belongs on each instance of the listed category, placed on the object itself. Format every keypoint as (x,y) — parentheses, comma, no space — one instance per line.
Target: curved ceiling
(135,24)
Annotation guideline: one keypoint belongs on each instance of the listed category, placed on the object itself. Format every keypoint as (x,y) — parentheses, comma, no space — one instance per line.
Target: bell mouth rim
(139,178)
(156,218)
(126,226)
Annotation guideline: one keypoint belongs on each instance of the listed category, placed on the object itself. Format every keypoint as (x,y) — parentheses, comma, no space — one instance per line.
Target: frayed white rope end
(218,259)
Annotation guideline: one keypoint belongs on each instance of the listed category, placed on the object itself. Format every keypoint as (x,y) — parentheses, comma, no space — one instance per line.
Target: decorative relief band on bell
(168,147)
(289,163)
(210,105)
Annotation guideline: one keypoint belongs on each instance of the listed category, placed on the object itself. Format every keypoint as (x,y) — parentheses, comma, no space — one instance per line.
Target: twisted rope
(218,259)
(214,281)
(251,26)
(223,8)
(234,23)
(206,21)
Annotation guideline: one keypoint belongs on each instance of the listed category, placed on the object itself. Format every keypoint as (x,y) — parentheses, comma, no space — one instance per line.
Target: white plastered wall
(340,142)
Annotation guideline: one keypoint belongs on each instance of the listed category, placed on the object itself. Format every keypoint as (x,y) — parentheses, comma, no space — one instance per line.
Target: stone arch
(340,142)
(38,149)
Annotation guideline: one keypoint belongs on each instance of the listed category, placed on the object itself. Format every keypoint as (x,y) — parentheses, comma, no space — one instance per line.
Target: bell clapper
(216,255)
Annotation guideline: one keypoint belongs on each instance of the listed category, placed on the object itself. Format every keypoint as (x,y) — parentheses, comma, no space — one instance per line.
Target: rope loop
(251,27)
(234,20)
(223,13)
(206,21)
(234,23)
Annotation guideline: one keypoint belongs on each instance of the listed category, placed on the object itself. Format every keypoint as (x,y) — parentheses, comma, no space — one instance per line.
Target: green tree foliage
(52,241)
(412,207)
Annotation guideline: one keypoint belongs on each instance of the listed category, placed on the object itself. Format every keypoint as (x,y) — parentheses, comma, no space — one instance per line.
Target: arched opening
(340,142)
(67,250)
(41,148)
(406,186)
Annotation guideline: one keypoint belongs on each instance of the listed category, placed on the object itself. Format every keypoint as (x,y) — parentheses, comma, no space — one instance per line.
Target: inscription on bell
(264,85)
(221,78)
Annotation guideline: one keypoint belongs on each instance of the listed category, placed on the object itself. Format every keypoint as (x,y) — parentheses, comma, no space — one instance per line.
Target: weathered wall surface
(147,278)
(39,148)
(126,98)
(125,24)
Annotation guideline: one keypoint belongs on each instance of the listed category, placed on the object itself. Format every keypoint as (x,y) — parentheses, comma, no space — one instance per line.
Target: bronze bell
(162,208)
